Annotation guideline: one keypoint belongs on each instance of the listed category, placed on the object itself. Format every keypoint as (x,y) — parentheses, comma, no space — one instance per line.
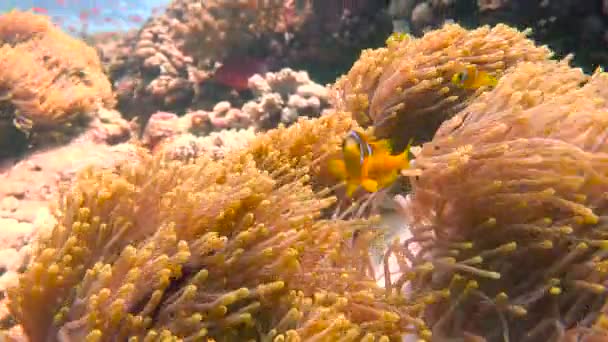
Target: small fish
(135,18)
(473,78)
(236,71)
(396,37)
(40,10)
(367,163)
(83,15)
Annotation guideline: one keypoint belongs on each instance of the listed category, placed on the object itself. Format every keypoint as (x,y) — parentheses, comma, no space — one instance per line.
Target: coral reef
(228,26)
(28,186)
(404,89)
(418,16)
(567,26)
(231,250)
(227,228)
(49,81)
(279,98)
(216,145)
(151,73)
(172,64)
(331,38)
(175,54)
(282,97)
(509,209)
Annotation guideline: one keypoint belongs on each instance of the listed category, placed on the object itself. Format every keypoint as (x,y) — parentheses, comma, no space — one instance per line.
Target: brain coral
(404,89)
(510,208)
(228,250)
(47,78)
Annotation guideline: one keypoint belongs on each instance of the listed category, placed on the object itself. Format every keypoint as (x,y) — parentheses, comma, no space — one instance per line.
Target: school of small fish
(88,16)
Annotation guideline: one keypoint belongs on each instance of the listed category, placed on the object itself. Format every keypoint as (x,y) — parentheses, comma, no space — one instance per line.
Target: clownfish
(473,78)
(368,163)
(396,37)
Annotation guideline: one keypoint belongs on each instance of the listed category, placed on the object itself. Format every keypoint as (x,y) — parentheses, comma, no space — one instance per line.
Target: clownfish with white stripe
(368,163)
(473,78)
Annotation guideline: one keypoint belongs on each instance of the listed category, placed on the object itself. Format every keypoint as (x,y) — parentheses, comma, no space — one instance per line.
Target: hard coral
(213,29)
(229,250)
(176,54)
(283,96)
(509,209)
(404,89)
(47,78)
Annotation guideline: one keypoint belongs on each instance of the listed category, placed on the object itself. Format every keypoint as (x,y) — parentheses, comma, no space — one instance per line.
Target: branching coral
(47,78)
(404,89)
(509,209)
(231,250)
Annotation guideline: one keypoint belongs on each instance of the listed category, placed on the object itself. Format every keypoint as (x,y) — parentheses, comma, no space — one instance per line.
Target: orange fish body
(236,71)
(367,164)
(473,78)
(382,169)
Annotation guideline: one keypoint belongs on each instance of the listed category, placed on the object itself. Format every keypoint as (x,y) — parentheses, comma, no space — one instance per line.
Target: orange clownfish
(472,78)
(367,163)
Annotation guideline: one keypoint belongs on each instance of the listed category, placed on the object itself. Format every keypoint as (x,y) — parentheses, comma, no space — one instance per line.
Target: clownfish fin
(383,145)
(351,188)
(492,81)
(337,168)
(369,185)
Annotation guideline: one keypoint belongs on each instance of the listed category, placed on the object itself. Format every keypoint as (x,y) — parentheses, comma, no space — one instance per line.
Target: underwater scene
(303,170)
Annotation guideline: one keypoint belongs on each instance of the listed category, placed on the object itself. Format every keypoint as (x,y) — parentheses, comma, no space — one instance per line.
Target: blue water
(101,15)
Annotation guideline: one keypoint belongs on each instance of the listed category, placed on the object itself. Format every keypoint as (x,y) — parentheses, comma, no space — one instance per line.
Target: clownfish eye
(458,77)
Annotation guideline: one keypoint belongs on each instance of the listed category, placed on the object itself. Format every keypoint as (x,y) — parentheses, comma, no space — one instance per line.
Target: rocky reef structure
(228,26)
(566,26)
(404,89)
(172,63)
(279,98)
(175,55)
(282,97)
(51,84)
(234,249)
(418,16)
(190,135)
